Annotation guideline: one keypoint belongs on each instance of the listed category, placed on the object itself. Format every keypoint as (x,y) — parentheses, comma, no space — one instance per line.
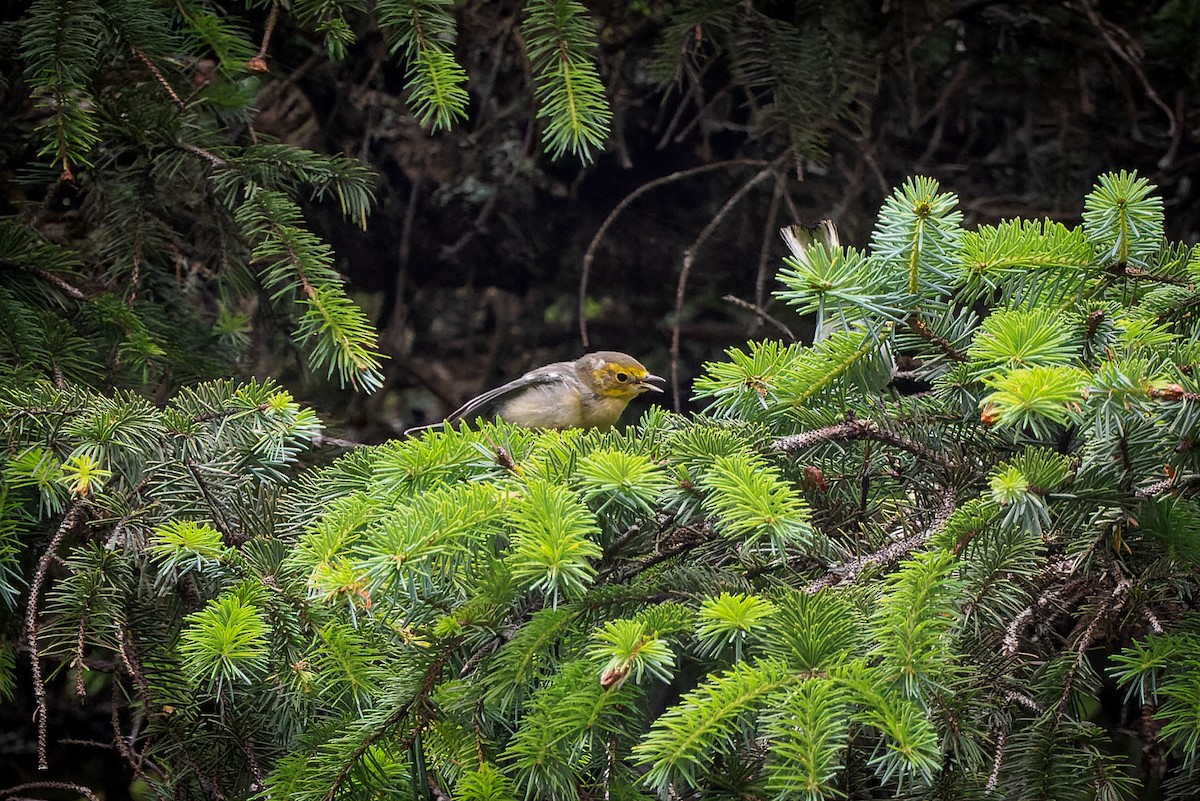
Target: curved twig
(590,254)
(761,314)
(689,259)
(862,429)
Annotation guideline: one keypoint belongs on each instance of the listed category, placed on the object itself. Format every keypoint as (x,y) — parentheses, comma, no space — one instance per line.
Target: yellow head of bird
(617,375)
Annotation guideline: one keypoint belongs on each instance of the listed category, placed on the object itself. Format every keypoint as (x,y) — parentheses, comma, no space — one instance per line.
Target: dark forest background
(471,262)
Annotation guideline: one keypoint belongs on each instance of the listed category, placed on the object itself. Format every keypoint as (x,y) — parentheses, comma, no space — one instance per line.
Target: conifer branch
(57,280)
(398,714)
(694,536)
(272,20)
(854,429)
(76,515)
(922,329)
(158,76)
(229,531)
(67,787)
(891,554)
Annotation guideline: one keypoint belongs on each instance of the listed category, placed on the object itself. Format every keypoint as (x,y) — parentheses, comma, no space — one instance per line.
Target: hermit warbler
(590,392)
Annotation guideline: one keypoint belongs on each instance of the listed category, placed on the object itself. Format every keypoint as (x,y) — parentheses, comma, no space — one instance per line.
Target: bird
(590,392)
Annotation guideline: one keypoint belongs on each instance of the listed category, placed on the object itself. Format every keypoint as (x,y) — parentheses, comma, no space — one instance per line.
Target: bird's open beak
(644,385)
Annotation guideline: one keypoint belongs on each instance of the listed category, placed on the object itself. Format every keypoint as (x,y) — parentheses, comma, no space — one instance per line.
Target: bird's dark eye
(622,377)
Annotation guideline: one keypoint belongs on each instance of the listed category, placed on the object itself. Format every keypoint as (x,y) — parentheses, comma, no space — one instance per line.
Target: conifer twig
(922,329)
(69,787)
(58,281)
(764,249)
(157,73)
(849,571)
(861,429)
(401,712)
(72,519)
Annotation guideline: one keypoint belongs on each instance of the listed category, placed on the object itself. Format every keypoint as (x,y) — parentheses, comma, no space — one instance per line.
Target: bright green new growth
(848,579)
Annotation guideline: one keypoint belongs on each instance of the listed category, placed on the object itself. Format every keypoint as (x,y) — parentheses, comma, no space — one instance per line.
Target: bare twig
(210,157)
(51,277)
(764,251)
(322,441)
(761,314)
(1130,53)
(590,253)
(1166,485)
(229,533)
(689,259)
(922,329)
(69,787)
(1061,592)
(997,760)
(259,62)
(157,73)
(401,712)
(625,574)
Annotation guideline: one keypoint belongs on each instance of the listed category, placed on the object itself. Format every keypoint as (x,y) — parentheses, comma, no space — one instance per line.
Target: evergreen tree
(948,550)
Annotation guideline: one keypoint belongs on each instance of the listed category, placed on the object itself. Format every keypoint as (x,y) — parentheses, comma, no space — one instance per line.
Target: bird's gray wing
(550,374)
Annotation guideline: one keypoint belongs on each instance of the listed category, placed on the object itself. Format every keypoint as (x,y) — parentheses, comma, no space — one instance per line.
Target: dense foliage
(948,550)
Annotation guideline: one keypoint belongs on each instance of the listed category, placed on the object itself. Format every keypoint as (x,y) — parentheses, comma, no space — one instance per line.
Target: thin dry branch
(73,291)
(158,76)
(1130,51)
(689,259)
(590,253)
(67,787)
(761,314)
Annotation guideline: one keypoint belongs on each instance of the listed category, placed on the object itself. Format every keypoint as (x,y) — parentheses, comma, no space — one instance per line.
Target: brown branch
(50,277)
(69,787)
(259,62)
(157,73)
(997,761)
(1166,485)
(1126,53)
(849,571)
(770,230)
(1060,591)
(80,688)
(393,719)
(761,314)
(71,520)
(229,535)
(621,576)
(1109,601)
(689,259)
(861,429)
(590,254)
(210,157)
(922,329)
(1134,272)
